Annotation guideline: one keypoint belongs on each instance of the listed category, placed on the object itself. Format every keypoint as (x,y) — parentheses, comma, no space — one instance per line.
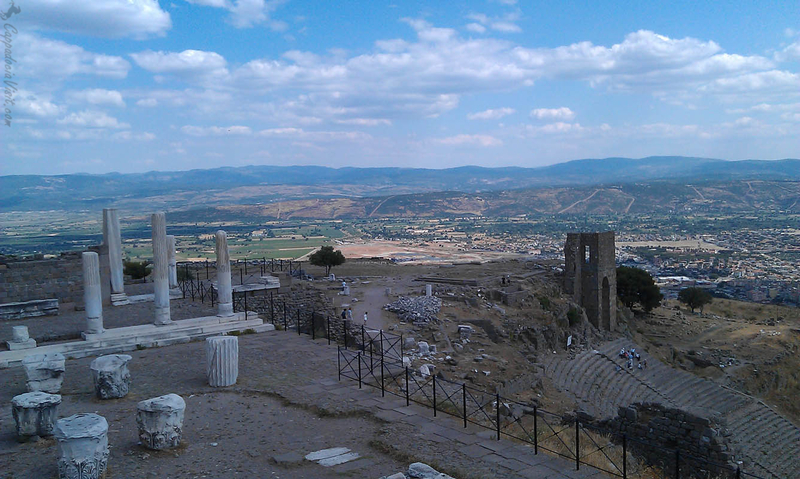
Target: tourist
(365,318)
(350,314)
(344,313)
(622,353)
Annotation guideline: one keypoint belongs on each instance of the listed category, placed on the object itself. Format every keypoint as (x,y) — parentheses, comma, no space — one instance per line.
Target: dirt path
(578,202)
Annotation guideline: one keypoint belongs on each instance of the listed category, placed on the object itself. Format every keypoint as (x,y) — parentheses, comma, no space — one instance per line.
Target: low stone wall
(655,427)
(35,278)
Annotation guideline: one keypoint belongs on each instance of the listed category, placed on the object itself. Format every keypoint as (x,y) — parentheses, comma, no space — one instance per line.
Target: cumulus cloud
(97,96)
(108,18)
(92,119)
(216,130)
(30,104)
(504,24)
(52,60)
(495,114)
(248,13)
(562,113)
(147,102)
(463,139)
(789,53)
(193,64)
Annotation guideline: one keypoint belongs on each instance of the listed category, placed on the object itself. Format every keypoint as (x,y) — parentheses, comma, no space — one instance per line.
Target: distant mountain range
(184,190)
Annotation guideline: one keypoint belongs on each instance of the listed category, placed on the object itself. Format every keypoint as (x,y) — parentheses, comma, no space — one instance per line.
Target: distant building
(590,276)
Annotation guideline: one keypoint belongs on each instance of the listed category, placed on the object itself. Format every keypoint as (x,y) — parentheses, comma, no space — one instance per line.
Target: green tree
(135,269)
(327,257)
(635,285)
(695,297)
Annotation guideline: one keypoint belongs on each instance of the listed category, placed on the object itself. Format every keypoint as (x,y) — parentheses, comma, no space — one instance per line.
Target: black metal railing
(581,442)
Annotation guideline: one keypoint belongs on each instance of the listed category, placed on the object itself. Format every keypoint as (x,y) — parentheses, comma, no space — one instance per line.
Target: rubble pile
(418,309)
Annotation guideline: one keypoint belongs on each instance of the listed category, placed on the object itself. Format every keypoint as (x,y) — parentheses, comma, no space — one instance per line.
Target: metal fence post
(464,402)
(383,389)
(677,463)
(434,396)
(241,277)
(498,416)
(206,269)
(624,456)
(339,361)
(359,370)
(407,392)
(245,305)
(738,472)
(535,431)
(577,445)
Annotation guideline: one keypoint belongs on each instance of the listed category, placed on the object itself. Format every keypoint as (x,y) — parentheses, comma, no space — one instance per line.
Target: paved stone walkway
(504,458)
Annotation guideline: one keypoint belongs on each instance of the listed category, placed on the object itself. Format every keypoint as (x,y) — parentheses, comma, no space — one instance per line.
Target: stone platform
(118,340)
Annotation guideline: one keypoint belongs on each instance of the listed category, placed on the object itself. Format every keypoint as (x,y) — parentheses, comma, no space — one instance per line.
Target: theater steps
(767,443)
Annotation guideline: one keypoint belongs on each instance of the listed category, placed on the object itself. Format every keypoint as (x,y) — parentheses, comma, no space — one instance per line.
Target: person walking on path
(365,318)
(350,314)
(344,313)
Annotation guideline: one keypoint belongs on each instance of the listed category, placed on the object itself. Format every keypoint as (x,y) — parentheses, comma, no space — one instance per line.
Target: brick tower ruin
(590,276)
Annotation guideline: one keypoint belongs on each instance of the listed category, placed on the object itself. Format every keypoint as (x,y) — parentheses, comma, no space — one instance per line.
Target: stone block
(82,446)
(160,421)
(35,414)
(45,372)
(111,376)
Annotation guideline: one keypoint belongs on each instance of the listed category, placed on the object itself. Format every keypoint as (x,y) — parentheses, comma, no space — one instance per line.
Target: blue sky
(138,85)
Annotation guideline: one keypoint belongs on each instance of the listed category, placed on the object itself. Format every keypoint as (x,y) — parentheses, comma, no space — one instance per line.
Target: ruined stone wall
(655,427)
(36,278)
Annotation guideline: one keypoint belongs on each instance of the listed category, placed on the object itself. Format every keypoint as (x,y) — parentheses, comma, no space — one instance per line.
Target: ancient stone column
(20,339)
(173,265)
(111,376)
(45,372)
(222,356)
(92,294)
(224,288)
(112,239)
(160,269)
(35,414)
(160,421)
(82,446)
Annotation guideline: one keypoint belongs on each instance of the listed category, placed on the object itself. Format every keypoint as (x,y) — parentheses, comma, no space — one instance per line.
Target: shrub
(574,316)
(136,269)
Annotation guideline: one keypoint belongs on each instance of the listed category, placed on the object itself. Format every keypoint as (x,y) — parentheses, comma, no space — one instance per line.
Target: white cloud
(504,24)
(248,13)
(52,60)
(365,121)
(562,113)
(107,18)
(463,139)
(188,63)
(92,119)
(790,53)
(97,96)
(216,130)
(476,28)
(321,136)
(31,104)
(147,102)
(495,114)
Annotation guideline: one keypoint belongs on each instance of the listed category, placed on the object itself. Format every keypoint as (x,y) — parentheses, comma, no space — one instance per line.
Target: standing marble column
(160,269)
(92,294)
(224,288)
(173,265)
(112,239)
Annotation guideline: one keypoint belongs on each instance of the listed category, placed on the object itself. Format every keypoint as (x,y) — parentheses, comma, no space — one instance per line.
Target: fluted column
(112,238)
(224,288)
(173,264)
(92,294)
(160,269)
(222,355)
